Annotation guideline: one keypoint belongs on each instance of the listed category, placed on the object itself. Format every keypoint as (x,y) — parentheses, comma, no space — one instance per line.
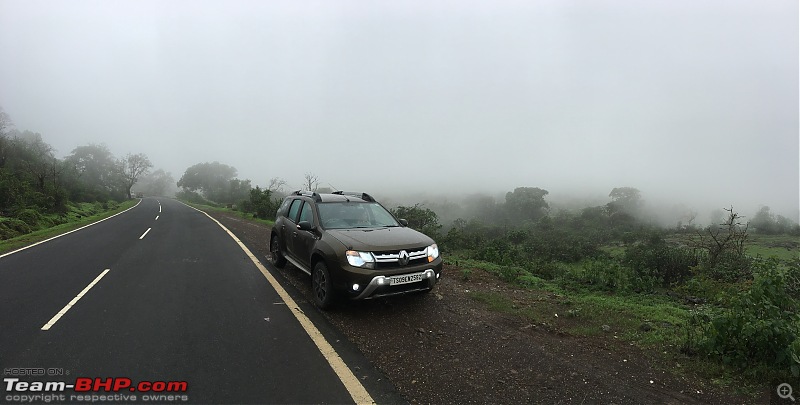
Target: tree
(238,190)
(764,221)
(420,218)
(35,156)
(786,225)
(526,203)
(133,167)
(481,206)
(625,199)
(310,182)
(159,183)
(212,179)
(5,124)
(96,173)
(276,185)
(684,216)
(723,241)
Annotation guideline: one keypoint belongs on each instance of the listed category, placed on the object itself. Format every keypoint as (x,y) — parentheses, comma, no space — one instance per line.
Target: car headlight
(360,259)
(433,252)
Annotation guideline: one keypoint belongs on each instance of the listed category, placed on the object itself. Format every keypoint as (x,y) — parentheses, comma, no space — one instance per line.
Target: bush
(531,281)
(193,197)
(731,267)
(245,206)
(12,227)
(262,204)
(548,270)
(30,217)
(606,274)
(668,265)
(564,245)
(761,325)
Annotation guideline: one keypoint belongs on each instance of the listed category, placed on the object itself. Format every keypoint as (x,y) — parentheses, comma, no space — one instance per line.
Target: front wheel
(275,252)
(322,286)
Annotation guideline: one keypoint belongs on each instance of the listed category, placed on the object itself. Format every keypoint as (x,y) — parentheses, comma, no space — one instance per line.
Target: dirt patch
(448,347)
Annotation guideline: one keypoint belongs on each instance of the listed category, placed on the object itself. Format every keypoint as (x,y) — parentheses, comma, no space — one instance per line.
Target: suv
(352,246)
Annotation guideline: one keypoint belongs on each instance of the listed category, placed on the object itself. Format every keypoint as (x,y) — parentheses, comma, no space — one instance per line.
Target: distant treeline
(214,183)
(38,189)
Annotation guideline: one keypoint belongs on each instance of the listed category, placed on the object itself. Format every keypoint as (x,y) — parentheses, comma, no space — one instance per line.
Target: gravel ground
(446,347)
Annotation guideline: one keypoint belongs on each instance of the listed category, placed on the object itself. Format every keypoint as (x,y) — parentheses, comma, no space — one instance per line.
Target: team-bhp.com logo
(84,384)
(89,387)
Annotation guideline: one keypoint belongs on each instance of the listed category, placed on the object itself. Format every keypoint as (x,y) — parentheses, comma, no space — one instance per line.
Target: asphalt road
(181,303)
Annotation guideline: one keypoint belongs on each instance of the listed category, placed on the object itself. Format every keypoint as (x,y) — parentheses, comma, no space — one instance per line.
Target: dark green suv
(352,247)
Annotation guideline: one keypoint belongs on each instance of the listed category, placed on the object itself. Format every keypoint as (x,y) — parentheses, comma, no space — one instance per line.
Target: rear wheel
(322,286)
(275,252)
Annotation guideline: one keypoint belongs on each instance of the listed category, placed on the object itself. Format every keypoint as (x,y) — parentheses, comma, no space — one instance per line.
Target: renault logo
(403,258)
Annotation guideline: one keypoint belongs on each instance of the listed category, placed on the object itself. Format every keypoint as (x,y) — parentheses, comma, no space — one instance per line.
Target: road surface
(160,293)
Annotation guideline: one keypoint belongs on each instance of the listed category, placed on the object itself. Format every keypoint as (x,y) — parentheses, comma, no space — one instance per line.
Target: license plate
(405,279)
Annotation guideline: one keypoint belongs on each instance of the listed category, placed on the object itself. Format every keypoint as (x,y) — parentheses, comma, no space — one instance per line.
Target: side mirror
(403,222)
(305,226)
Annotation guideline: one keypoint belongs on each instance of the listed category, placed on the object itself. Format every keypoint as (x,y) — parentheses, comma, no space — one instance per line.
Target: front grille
(391,259)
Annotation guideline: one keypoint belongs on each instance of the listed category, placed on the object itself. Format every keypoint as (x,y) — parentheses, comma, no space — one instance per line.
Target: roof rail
(312,194)
(363,196)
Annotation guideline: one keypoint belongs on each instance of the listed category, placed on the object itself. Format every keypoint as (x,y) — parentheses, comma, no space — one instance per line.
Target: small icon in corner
(785,391)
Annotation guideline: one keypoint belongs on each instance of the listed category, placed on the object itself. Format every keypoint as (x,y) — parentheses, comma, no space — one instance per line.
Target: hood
(380,239)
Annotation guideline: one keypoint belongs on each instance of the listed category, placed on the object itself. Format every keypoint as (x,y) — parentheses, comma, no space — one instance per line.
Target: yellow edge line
(350,381)
(67,233)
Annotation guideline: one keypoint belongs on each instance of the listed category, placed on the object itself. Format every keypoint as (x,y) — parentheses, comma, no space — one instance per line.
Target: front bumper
(374,283)
(372,290)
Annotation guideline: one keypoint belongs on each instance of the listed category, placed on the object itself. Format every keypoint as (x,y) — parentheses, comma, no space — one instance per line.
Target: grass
(614,251)
(495,301)
(78,215)
(656,322)
(584,312)
(240,214)
(782,247)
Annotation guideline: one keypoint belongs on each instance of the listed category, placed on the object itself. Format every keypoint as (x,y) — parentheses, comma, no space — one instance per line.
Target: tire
(322,286)
(275,253)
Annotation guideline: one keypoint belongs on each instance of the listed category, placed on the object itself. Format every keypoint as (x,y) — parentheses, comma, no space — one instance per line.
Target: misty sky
(693,102)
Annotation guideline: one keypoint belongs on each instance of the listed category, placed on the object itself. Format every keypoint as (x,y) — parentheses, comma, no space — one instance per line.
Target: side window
(293,209)
(306,214)
(284,209)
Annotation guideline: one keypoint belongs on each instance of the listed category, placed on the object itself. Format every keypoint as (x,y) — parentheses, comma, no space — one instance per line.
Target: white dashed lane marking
(80,295)
(145,233)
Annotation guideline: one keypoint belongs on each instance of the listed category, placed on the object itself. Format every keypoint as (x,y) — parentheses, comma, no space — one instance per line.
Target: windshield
(344,215)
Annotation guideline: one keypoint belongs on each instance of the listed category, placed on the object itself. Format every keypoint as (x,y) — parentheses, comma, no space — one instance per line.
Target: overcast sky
(691,101)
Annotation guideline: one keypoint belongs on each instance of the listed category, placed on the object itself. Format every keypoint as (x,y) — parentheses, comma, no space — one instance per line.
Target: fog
(693,103)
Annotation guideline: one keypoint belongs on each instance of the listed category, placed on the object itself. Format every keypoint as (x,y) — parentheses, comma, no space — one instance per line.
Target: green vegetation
(419,218)
(216,182)
(39,191)
(781,247)
(722,299)
(210,206)
(215,185)
(78,215)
